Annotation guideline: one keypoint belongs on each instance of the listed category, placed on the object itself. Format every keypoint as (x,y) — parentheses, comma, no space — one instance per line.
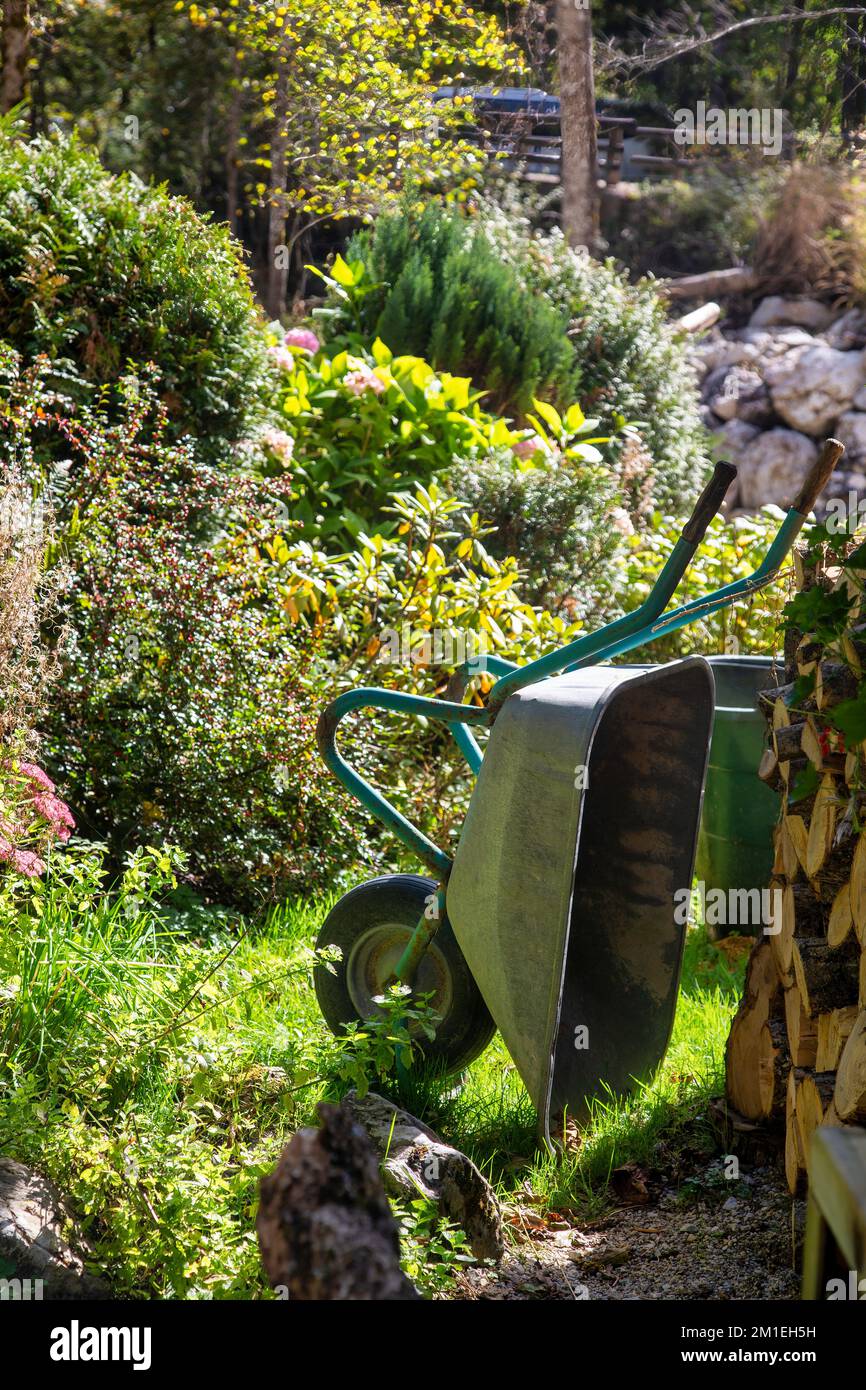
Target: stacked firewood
(796,1053)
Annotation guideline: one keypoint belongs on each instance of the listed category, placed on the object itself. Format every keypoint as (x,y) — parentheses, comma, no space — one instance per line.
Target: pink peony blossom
(363,379)
(303,338)
(279,443)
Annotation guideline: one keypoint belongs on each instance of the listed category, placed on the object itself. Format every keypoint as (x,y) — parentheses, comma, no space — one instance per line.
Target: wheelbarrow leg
(424,932)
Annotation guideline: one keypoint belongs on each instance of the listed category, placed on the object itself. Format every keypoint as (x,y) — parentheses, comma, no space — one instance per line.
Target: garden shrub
(627,363)
(181,714)
(632,362)
(99,270)
(436,288)
(562,526)
(361,424)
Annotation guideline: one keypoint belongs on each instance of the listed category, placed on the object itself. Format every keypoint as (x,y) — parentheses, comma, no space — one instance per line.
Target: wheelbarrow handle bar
(393,701)
(616,639)
(709,502)
(766,572)
(626,633)
(818,476)
(672,572)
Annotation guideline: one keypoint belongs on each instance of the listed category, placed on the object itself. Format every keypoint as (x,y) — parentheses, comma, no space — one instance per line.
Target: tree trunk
(278,254)
(233,133)
(580,200)
(14,53)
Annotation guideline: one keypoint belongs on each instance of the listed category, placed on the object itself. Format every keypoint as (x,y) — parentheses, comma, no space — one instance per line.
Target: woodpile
(796,1053)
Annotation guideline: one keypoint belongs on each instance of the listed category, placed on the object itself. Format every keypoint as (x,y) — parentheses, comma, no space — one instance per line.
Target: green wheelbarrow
(555,922)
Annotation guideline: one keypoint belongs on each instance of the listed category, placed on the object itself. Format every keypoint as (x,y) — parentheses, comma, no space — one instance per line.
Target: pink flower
(303,338)
(279,443)
(363,379)
(35,775)
(28,863)
(24,860)
(525,448)
(57,813)
(281,357)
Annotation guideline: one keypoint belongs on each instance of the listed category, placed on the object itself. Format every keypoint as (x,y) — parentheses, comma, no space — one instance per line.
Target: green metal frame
(645,624)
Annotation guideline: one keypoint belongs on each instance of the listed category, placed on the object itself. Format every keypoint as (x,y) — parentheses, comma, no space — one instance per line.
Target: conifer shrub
(437,289)
(524,315)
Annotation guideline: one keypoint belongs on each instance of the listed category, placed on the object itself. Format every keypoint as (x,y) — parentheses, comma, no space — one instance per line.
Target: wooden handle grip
(818,477)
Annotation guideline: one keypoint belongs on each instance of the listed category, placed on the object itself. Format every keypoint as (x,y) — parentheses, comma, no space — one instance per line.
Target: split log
(326,1230)
(814,1098)
(795,843)
(802,914)
(841,923)
(773,700)
(795,1158)
(850,1096)
(802,1030)
(808,654)
(834,682)
(858,888)
(833,1032)
(826,979)
(768,768)
(787,741)
(822,827)
(753,1051)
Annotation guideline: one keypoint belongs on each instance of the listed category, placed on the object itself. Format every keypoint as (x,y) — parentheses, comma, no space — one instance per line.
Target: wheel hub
(373,962)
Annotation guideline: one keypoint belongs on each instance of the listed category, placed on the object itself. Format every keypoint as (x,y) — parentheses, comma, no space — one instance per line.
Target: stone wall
(772,391)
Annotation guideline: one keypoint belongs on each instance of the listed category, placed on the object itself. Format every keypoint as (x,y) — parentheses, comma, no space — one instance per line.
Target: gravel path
(705,1238)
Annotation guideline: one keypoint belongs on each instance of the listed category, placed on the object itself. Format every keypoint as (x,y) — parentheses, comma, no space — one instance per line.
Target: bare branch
(683,33)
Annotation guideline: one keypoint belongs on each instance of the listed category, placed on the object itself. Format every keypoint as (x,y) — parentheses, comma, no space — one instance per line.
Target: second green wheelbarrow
(556,920)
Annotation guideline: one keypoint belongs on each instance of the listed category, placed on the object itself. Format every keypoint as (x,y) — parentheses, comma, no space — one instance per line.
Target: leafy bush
(364,423)
(402,611)
(631,362)
(181,714)
(99,270)
(560,524)
(434,287)
(627,364)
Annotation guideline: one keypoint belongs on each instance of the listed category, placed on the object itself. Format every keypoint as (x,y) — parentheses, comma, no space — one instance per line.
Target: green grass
(153,1062)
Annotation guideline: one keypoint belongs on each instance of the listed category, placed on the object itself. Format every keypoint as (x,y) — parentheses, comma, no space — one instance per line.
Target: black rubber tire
(380,910)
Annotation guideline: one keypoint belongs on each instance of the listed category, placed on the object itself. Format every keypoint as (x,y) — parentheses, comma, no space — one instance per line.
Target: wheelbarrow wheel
(371,925)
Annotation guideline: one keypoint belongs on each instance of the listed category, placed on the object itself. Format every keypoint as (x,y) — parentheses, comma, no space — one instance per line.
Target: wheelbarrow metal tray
(581,829)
